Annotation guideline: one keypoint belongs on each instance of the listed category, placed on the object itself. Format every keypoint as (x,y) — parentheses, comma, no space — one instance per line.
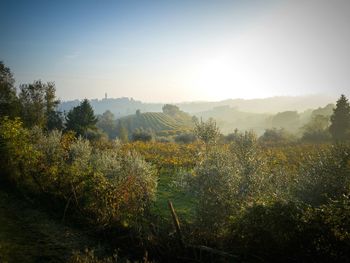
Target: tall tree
(38,104)
(340,120)
(8,97)
(81,118)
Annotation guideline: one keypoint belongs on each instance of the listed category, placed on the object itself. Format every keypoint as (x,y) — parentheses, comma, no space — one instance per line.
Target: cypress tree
(81,118)
(340,120)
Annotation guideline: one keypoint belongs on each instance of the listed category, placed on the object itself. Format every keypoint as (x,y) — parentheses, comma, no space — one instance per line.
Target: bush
(19,159)
(216,186)
(275,136)
(227,179)
(127,185)
(141,135)
(324,176)
(185,138)
(272,231)
(108,185)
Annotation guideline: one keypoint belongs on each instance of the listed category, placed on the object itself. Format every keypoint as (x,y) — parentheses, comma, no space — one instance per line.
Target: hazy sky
(173,51)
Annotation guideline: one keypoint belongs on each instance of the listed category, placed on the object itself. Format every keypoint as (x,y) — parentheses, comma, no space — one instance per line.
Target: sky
(183,50)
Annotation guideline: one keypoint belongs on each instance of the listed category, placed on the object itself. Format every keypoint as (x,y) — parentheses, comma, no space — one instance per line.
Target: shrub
(122,189)
(185,138)
(271,231)
(18,156)
(141,135)
(324,176)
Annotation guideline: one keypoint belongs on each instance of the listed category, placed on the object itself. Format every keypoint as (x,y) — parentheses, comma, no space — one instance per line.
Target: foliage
(291,231)
(226,179)
(106,122)
(17,154)
(273,137)
(288,120)
(207,132)
(9,105)
(317,129)
(324,175)
(216,187)
(123,134)
(142,135)
(171,110)
(38,105)
(340,120)
(88,256)
(271,231)
(167,155)
(110,186)
(81,118)
(185,138)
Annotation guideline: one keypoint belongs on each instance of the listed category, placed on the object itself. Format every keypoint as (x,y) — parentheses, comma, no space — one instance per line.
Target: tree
(340,120)
(106,122)
(123,133)
(288,120)
(317,129)
(8,97)
(81,118)
(276,136)
(207,132)
(171,110)
(54,120)
(38,105)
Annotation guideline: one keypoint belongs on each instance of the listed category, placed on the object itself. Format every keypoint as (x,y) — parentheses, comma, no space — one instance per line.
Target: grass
(171,187)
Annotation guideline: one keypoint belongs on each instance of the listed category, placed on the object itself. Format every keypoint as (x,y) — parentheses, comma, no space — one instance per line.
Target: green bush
(324,176)
(185,138)
(108,185)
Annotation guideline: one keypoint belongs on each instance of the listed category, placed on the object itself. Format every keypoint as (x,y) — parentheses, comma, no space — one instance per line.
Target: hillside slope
(156,121)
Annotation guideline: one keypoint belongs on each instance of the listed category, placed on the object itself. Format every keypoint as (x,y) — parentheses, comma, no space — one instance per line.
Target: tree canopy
(81,118)
(38,105)
(8,96)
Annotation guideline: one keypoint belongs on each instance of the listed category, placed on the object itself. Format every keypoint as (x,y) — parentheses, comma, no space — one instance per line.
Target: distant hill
(121,107)
(264,105)
(229,118)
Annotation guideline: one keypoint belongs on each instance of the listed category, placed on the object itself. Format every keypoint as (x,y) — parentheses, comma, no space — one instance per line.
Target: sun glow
(212,76)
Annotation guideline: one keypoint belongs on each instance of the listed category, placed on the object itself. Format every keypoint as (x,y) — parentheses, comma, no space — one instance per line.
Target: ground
(30,235)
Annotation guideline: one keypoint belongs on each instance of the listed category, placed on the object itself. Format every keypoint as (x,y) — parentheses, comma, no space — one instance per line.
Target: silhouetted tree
(38,104)
(8,97)
(54,121)
(340,120)
(81,118)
